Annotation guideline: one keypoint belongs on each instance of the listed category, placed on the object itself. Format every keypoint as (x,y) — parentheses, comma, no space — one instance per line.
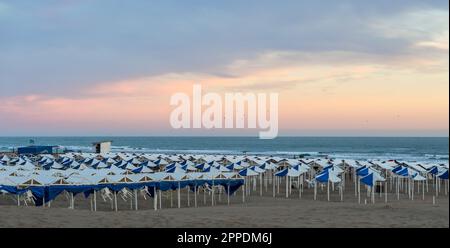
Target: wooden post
(328,190)
(95,201)
(131,201)
(160,199)
(373,194)
(278,184)
(115,201)
(423,191)
(315,190)
(178,195)
(195,195)
(398,188)
(228,194)
(73,201)
(287,189)
(273,186)
(289,180)
(385,192)
(204,195)
(135,199)
(359,192)
(188,198)
(212,193)
(436,187)
(155,199)
(243,192)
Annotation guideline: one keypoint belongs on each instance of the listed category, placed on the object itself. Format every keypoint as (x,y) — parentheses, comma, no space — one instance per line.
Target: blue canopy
(247,172)
(361,168)
(402,172)
(201,166)
(282,173)
(323,177)
(138,169)
(433,170)
(444,175)
(396,169)
(368,180)
(363,172)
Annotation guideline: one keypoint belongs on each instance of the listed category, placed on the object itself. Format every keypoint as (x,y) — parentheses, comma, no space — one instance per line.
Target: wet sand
(257,211)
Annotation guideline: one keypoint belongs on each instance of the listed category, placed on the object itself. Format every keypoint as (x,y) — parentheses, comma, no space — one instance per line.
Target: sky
(341,68)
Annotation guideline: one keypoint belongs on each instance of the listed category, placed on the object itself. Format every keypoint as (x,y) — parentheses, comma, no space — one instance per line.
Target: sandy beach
(257,211)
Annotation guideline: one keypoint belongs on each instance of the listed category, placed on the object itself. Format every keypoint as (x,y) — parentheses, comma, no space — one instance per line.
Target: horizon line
(219,136)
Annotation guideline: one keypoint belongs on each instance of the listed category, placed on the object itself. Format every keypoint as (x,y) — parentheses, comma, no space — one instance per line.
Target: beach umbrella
(247,172)
(328,177)
(420,179)
(235,166)
(223,168)
(138,169)
(175,169)
(433,170)
(149,164)
(443,175)
(160,162)
(202,166)
(134,161)
(370,180)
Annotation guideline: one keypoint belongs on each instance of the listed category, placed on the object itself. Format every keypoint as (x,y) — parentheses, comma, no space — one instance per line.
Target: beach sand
(257,211)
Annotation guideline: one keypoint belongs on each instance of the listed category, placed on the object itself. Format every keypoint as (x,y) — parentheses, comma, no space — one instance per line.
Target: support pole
(398,188)
(195,195)
(160,199)
(115,201)
(260,184)
(95,200)
(287,189)
(135,199)
(188,196)
(243,193)
(385,192)
(328,190)
(315,190)
(178,195)
(204,195)
(273,186)
(228,194)
(212,194)
(423,191)
(73,201)
(155,199)
(359,192)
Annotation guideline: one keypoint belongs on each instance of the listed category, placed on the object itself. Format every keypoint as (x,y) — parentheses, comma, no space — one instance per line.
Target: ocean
(421,149)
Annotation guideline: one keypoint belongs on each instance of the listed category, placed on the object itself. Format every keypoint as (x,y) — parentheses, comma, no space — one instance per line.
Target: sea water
(421,149)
